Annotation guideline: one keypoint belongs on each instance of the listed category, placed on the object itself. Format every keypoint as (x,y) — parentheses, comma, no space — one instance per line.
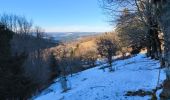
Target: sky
(60,15)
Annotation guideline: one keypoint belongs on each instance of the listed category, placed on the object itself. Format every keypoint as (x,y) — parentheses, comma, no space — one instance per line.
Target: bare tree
(131,31)
(107,47)
(146,14)
(39,32)
(18,24)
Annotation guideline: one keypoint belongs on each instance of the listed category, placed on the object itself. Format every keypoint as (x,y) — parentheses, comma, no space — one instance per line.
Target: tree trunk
(153,45)
(165,23)
(157,42)
(110,63)
(148,44)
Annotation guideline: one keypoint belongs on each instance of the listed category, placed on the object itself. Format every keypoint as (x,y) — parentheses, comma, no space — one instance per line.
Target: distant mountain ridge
(69,36)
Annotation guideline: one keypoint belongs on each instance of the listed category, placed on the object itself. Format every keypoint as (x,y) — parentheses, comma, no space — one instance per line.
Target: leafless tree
(107,47)
(90,57)
(145,12)
(131,31)
(18,24)
(39,32)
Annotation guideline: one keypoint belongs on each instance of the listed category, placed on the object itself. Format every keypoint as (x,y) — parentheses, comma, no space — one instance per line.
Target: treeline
(137,25)
(144,23)
(88,52)
(75,56)
(25,58)
(30,61)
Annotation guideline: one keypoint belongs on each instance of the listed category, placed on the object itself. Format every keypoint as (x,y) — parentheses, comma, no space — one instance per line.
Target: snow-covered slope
(95,84)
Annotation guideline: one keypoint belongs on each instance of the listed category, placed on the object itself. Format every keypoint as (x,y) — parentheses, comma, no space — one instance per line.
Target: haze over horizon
(60,15)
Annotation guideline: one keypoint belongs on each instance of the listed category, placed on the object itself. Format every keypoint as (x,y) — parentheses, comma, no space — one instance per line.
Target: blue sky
(60,15)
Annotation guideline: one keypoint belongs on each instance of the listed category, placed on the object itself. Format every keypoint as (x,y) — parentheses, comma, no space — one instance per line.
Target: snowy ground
(95,84)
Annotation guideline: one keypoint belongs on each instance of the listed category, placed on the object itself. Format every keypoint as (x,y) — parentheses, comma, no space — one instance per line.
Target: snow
(131,74)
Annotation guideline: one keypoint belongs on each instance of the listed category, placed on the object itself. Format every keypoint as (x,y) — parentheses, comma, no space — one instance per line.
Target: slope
(131,74)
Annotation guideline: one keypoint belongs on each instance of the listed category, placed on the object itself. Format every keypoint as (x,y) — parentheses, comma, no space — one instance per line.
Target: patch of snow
(131,74)
(158,93)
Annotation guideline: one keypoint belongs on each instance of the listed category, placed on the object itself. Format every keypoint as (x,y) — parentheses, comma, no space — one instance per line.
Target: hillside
(96,84)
